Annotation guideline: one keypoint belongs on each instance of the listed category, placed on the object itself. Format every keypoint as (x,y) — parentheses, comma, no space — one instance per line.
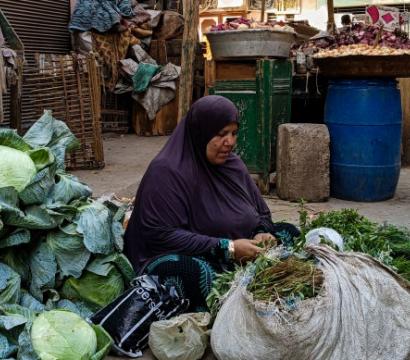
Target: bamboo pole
(189,44)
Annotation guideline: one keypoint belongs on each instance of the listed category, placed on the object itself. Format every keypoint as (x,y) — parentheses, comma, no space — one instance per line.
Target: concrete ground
(127,157)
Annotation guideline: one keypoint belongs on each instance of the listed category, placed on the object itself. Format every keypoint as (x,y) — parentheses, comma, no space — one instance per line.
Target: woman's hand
(246,250)
(266,239)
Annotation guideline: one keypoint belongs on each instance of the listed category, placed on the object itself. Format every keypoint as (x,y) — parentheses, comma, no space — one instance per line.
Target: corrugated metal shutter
(42,25)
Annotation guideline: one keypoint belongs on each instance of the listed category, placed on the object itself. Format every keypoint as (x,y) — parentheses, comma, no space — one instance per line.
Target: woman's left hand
(267,239)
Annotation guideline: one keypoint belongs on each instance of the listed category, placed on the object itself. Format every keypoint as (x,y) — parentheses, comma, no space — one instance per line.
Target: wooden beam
(189,44)
(331,27)
(263,10)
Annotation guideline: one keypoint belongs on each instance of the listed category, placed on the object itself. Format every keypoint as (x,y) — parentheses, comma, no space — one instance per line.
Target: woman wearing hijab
(197,209)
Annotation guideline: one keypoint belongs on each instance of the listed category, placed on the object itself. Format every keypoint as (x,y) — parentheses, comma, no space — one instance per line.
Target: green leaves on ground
(387,243)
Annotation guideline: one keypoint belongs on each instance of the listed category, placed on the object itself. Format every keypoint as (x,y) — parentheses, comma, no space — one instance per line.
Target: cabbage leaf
(10,283)
(43,267)
(68,188)
(94,222)
(69,250)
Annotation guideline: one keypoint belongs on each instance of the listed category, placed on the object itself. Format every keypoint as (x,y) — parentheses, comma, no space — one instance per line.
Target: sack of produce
(327,305)
(184,337)
(128,318)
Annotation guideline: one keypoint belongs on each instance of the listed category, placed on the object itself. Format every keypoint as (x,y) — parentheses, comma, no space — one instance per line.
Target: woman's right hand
(246,250)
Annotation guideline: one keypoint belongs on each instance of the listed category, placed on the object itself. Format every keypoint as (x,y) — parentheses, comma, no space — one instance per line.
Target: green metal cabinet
(263,103)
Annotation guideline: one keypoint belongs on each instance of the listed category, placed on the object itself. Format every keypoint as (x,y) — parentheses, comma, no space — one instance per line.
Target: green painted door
(263,104)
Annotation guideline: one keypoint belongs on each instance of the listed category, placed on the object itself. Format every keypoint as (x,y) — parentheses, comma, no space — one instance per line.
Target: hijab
(184,204)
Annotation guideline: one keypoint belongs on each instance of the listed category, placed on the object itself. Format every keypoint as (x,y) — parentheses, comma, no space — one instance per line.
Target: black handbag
(129,317)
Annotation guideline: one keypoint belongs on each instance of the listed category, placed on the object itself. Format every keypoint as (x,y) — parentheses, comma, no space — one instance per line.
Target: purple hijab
(184,204)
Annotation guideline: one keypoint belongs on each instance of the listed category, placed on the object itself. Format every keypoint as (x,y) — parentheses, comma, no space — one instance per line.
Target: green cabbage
(16,168)
(95,290)
(63,335)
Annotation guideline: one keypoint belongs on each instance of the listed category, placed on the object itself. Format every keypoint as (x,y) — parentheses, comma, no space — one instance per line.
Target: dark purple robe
(184,204)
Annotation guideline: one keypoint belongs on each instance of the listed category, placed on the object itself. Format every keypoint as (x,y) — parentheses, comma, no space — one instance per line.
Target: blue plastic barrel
(364,121)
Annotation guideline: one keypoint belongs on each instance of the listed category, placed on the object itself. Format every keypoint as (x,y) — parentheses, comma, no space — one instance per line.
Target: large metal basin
(250,43)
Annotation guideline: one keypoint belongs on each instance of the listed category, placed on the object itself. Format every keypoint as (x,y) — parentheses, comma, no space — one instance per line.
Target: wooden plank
(232,70)
(189,44)
(210,75)
(405,103)
(331,27)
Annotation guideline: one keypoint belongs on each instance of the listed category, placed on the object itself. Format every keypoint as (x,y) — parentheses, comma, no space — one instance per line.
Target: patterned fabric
(100,15)
(191,276)
(112,48)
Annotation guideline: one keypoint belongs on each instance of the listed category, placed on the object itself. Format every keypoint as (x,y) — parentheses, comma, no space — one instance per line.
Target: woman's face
(221,145)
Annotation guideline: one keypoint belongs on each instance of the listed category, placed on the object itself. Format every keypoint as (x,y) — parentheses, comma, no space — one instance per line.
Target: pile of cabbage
(59,249)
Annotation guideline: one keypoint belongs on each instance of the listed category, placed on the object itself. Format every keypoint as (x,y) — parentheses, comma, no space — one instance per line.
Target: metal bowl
(250,43)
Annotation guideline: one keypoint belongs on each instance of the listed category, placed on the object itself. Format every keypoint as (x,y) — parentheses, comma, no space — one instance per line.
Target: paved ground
(127,158)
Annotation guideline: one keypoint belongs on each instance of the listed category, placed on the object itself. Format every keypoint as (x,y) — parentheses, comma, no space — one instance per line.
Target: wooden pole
(331,28)
(189,44)
(263,10)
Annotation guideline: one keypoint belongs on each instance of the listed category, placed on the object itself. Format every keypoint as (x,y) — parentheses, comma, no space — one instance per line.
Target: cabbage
(63,335)
(16,168)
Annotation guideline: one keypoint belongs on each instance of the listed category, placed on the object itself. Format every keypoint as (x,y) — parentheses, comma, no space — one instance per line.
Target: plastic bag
(128,318)
(363,312)
(315,236)
(181,338)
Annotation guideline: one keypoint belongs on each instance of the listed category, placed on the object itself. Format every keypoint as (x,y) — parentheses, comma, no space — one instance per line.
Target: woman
(197,209)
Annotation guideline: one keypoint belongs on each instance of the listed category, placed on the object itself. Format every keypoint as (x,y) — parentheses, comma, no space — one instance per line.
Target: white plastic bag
(184,337)
(363,312)
(314,237)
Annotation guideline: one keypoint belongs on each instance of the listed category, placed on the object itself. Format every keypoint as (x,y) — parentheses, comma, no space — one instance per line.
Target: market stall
(363,108)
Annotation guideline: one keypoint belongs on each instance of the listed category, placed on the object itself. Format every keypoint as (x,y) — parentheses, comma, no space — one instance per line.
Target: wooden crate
(115,113)
(70,86)
(164,123)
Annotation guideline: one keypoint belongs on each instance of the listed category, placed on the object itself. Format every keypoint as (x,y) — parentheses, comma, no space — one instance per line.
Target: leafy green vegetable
(54,134)
(220,287)
(42,157)
(43,268)
(104,343)
(40,186)
(94,222)
(11,139)
(54,239)
(18,237)
(9,285)
(16,259)
(10,174)
(69,250)
(103,266)
(387,243)
(60,334)
(95,290)
(68,188)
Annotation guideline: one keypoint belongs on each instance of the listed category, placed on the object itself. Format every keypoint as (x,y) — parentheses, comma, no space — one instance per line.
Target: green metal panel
(245,96)
(281,90)
(263,105)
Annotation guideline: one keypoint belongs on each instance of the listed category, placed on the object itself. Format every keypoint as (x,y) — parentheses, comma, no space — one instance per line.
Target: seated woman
(197,210)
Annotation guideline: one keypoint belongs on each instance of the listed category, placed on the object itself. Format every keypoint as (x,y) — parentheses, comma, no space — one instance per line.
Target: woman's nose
(230,140)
